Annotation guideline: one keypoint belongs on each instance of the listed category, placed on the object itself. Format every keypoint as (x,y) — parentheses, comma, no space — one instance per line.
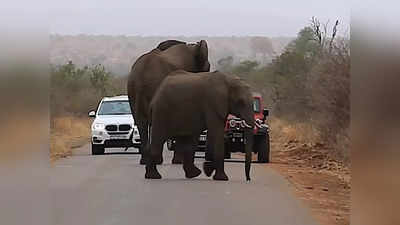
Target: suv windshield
(114,108)
(256,105)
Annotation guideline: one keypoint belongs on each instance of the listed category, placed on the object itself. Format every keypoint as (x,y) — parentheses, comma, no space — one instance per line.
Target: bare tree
(321,33)
(334,31)
(316,27)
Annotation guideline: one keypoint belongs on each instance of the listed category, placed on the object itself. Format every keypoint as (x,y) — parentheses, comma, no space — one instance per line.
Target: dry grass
(302,143)
(67,133)
(284,131)
(322,182)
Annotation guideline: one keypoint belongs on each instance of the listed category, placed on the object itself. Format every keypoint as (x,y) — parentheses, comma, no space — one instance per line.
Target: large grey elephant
(186,104)
(150,69)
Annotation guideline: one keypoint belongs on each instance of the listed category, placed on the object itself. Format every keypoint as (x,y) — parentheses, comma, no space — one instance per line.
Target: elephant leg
(155,152)
(208,166)
(218,139)
(178,153)
(188,148)
(142,126)
(144,134)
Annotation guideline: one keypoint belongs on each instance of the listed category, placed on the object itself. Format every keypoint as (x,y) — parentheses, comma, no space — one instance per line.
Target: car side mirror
(265,113)
(92,114)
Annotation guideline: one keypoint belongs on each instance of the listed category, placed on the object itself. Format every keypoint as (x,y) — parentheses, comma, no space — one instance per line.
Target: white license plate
(118,137)
(237,135)
(202,138)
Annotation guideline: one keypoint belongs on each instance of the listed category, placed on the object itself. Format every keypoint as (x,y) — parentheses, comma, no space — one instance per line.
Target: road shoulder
(322,183)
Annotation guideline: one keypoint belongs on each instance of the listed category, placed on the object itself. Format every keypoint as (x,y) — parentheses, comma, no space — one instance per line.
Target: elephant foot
(220,176)
(192,171)
(152,173)
(208,168)
(177,159)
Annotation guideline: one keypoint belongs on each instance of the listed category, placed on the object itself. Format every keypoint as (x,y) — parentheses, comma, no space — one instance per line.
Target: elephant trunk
(249,137)
(249,146)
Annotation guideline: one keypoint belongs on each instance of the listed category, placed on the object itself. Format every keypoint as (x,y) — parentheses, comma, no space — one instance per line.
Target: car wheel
(261,144)
(97,149)
(209,153)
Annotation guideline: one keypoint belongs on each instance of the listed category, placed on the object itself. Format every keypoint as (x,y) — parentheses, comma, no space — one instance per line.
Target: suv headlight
(98,126)
(135,130)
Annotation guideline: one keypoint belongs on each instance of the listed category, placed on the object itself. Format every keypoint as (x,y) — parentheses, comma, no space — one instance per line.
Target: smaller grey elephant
(188,103)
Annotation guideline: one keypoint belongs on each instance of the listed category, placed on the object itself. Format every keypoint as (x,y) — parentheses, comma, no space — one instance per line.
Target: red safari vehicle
(234,137)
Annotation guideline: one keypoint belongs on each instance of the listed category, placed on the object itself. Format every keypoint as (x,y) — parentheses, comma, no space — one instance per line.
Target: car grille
(111,128)
(118,133)
(124,127)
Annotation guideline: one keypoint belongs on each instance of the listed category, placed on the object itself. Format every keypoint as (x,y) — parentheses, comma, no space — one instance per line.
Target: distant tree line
(75,91)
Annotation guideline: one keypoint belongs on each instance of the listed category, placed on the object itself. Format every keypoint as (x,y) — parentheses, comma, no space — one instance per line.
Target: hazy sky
(191,18)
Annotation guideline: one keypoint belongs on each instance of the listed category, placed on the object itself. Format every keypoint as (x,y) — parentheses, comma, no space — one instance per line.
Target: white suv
(113,125)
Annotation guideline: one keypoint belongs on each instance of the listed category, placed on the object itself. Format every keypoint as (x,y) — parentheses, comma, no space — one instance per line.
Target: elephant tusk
(246,125)
(257,124)
(262,126)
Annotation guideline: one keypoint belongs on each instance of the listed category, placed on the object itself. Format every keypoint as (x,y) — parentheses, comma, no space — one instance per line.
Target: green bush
(75,91)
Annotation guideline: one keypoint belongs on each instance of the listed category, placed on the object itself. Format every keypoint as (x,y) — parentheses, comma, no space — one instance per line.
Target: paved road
(111,189)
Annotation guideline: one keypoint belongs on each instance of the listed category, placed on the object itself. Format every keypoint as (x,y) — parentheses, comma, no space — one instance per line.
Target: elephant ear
(203,51)
(169,43)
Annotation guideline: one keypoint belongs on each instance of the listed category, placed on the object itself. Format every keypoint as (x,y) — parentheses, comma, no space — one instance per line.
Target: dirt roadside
(66,134)
(321,182)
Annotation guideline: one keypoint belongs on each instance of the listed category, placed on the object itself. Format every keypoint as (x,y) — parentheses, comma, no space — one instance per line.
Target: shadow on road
(121,153)
(231,160)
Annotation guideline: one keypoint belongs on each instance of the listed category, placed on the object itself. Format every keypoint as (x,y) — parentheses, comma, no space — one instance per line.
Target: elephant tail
(149,126)
(248,148)
(247,165)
